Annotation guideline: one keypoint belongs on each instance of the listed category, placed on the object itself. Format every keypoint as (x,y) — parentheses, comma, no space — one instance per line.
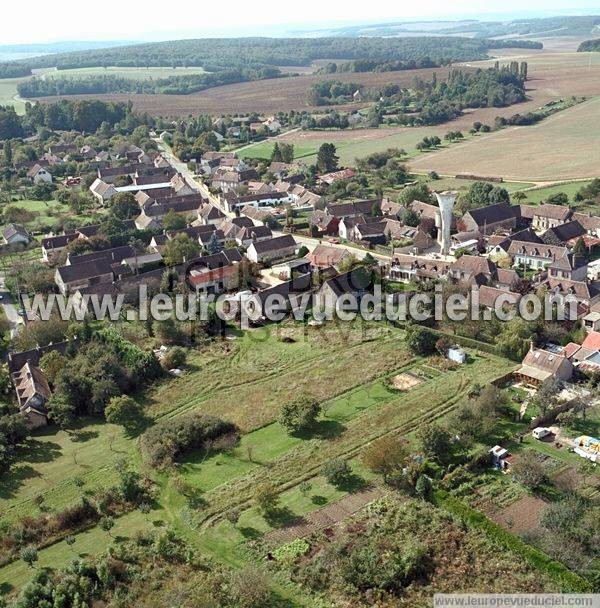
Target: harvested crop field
(268,96)
(564,146)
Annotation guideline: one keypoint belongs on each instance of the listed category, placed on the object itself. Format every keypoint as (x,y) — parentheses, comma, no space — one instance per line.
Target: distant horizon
(285,27)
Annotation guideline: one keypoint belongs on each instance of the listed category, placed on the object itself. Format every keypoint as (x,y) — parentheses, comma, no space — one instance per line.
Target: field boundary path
(327,516)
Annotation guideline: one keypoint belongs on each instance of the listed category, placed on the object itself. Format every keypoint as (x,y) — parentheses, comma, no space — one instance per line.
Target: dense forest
(589,45)
(172,85)
(217,54)
(82,115)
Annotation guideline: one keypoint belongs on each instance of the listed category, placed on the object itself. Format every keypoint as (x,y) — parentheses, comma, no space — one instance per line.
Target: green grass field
(264,149)
(346,371)
(123,72)
(539,195)
(351,144)
(451,183)
(8,91)
(47,212)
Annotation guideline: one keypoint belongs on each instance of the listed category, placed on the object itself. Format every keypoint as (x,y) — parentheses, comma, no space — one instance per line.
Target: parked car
(541,432)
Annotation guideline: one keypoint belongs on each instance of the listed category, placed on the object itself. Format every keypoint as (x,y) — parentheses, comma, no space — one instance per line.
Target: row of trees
(171,85)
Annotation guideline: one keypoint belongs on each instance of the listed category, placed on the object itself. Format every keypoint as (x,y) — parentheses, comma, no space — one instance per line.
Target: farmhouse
(571,267)
(354,209)
(424,210)
(153,212)
(62,149)
(282,170)
(258,200)
(472,268)
(258,216)
(245,234)
(278,248)
(32,391)
(534,255)
(490,297)
(102,190)
(39,175)
(231,180)
(487,220)
(15,234)
(549,216)
(323,256)
(209,214)
(30,384)
(214,274)
(541,365)
(92,268)
(564,233)
(336,176)
(322,223)
(354,283)
(276,300)
(409,268)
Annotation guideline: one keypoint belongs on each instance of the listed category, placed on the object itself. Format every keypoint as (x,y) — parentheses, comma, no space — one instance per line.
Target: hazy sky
(27,21)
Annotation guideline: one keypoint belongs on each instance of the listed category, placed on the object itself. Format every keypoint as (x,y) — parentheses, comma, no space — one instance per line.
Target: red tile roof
(592,341)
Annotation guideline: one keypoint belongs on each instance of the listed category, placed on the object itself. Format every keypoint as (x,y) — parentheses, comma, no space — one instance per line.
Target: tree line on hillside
(589,45)
(219,54)
(365,65)
(181,84)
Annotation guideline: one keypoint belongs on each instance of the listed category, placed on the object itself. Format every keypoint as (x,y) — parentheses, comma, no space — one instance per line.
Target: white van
(540,432)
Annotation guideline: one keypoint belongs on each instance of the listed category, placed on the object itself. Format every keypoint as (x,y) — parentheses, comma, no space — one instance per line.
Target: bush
(175,357)
(337,471)
(300,415)
(421,340)
(170,438)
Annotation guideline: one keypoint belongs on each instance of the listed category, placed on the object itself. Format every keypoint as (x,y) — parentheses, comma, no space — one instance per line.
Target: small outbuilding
(457,354)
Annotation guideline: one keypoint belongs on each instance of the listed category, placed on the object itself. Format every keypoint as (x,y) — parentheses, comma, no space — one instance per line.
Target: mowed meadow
(246,380)
(563,146)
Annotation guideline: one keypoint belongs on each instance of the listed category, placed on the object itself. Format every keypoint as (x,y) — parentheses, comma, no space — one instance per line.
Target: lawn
(452,183)
(89,543)
(8,91)
(55,463)
(47,212)
(540,195)
(264,149)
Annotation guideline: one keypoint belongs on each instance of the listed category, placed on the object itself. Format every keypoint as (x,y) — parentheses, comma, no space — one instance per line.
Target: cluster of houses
(39,171)
(240,186)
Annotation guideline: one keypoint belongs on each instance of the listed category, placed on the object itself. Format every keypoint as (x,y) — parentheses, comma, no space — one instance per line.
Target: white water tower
(443,220)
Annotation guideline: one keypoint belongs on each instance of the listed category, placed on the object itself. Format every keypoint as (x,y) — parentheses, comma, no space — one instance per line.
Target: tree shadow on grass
(323,429)
(353,483)
(250,533)
(282,517)
(136,427)
(10,482)
(40,451)
(5,588)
